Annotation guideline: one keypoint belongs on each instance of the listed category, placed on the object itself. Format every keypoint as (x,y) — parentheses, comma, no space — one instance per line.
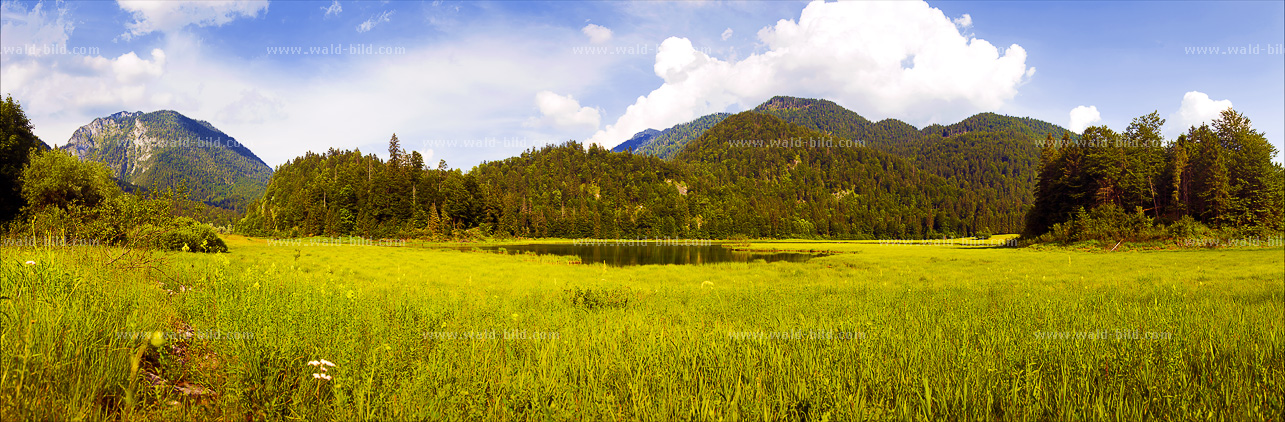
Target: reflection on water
(653,254)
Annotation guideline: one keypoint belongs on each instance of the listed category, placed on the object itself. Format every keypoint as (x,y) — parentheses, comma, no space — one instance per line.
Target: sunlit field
(870,332)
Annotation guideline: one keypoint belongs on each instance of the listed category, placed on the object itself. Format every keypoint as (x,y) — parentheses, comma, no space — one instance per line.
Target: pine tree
(1249,170)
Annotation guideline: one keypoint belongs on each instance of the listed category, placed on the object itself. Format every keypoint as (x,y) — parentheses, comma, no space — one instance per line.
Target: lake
(622,254)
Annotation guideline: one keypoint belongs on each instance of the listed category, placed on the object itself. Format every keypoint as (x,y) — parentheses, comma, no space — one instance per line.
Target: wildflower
(322,364)
(707,283)
(30,263)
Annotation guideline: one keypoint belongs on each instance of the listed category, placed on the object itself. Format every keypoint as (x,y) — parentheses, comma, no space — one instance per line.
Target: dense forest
(717,186)
(1110,185)
(669,142)
(991,159)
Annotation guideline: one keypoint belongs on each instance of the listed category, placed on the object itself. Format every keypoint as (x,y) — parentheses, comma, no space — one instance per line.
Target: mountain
(636,141)
(784,179)
(670,141)
(820,115)
(992,158)
(165,149)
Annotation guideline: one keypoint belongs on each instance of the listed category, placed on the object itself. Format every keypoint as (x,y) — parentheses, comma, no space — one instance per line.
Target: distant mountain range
(165,149)
(639,139)
(667,143)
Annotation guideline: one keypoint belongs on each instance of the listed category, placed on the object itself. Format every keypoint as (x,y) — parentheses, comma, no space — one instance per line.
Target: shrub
(183,234)
(1106,224)
(598,299)
(1188,228)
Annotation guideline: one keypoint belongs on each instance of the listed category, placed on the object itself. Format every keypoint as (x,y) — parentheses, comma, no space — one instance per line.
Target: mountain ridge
(164,149)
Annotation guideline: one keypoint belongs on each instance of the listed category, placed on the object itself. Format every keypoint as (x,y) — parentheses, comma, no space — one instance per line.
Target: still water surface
(653,254)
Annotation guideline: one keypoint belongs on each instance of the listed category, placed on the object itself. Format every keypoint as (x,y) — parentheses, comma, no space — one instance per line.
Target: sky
(468,82)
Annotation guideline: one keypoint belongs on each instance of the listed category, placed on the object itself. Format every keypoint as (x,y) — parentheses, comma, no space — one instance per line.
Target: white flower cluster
(322,364)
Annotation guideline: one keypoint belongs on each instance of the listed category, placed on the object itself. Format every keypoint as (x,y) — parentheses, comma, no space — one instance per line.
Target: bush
(1188,228)
(1106,224)
(598,299)
(183,234)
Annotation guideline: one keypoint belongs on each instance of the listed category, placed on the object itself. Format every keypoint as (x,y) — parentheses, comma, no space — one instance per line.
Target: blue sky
(474,81)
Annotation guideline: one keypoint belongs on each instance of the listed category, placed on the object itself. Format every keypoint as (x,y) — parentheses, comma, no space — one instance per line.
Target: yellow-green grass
(879,332)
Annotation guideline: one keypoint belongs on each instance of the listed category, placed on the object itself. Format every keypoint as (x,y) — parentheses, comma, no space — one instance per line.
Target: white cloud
(428,158)
(273,106)
(253,107)
(32,30)
(375,20)
(881,59)
(563,112)
(1082,117)
(1196,109)
(597,34)
(72,77)
(727,33)
(333,9)
(963,22)
(169,16)
(129,68)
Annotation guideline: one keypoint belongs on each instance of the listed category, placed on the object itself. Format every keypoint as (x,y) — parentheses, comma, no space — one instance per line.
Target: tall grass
(880,332)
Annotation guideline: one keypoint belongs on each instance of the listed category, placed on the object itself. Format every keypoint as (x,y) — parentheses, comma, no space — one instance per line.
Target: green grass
(879,332)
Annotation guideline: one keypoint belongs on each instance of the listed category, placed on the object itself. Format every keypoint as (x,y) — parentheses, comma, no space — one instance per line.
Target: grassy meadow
(871,332)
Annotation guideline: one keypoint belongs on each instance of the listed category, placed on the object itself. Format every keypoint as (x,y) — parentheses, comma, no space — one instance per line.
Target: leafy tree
(17,141)
(1222,176)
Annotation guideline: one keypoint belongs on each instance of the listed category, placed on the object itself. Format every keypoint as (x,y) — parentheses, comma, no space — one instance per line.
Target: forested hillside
(811,184)
(670,142)
(716,188)
(164,149)
(790,168)
(991,158)
(639,139)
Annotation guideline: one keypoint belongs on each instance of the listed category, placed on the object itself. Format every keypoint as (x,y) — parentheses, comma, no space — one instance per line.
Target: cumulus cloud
(563,112)
(1082,117)
(333,9)
(963,22)
(904,60)
(170,16)
(53,77)
(727,33)
(597,34)
(375,20)
(1196,109)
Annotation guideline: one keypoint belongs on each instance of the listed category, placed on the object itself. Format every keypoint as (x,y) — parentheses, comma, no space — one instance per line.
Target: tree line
(714,188)
(1111,185)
